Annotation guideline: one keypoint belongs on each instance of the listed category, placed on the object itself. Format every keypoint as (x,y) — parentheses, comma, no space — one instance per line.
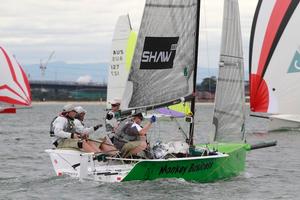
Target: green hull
(194,169)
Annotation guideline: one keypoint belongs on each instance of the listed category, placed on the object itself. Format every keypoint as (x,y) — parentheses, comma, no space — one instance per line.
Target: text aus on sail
(159,52)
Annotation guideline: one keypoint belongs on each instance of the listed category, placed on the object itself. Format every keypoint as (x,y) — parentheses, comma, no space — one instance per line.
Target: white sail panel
(264,16)
(164,58)
(14,86)
(229,110)
(274,85)
(118,72)
(283,73)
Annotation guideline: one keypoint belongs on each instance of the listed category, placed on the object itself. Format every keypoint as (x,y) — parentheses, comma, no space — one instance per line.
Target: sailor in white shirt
(79,125)
(104,145)
(63,132)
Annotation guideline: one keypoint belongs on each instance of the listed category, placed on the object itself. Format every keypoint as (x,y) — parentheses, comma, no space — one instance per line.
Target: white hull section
(280,122)
(82,165)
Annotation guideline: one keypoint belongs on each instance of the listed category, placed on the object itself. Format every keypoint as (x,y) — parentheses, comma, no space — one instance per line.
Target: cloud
(81,30)
(84,79)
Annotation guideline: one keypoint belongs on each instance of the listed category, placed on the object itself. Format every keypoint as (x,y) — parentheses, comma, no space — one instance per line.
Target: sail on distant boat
(274,58)
(14,85)
(229,112)
(123,45)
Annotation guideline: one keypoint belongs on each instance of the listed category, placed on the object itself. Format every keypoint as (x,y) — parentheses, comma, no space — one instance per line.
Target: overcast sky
(80,31)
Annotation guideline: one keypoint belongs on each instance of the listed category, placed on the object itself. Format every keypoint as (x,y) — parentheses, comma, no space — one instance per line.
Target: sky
(80,31)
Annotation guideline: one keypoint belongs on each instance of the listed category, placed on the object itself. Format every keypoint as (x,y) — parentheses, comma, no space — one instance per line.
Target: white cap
(115,101)
(80,109)
(69,108)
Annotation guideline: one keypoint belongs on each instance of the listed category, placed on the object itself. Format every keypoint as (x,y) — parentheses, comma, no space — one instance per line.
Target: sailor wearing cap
(63,131)
(80,127)
(112,116)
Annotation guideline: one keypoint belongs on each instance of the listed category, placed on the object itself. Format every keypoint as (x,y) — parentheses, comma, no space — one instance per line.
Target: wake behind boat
(164,73)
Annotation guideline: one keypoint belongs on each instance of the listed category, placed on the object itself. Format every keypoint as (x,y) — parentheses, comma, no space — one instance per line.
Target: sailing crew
(63,132)
(131,138)
(104,145)
(80,127)
(112,116)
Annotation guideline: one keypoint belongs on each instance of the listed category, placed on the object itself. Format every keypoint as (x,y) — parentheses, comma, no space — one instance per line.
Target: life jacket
(126,133)
(70,126)
(110,121)
(52,127)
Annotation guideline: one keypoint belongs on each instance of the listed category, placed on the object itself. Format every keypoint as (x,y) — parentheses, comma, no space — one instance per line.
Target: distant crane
(43,66)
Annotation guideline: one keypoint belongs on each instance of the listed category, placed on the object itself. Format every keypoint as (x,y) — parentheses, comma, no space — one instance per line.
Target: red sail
(14,85)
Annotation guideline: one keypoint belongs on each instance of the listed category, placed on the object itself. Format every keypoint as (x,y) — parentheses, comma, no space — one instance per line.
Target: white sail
(14,85)
(123,44)
(164,58)
(274,58)
(229,110)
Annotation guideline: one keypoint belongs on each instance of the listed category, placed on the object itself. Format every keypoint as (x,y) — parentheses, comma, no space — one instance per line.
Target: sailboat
(14,85)
(123,44)
(274,58)
(163,73)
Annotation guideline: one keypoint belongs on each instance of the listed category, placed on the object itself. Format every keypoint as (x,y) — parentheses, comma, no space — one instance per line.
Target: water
(26,171)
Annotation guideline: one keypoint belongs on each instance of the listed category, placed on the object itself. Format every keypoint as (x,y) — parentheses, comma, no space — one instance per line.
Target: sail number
(114,70)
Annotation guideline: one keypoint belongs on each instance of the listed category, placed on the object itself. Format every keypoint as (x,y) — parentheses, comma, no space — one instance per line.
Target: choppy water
(26,171)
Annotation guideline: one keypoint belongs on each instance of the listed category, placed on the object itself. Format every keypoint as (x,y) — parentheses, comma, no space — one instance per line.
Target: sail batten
(229,109)
(164,58)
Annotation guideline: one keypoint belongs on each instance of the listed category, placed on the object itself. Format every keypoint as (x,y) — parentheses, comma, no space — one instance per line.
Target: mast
(191,133)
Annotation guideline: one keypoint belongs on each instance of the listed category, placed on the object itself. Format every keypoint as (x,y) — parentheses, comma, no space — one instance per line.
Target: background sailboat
(123,44)
(14,85)
(229,112)
(274,58)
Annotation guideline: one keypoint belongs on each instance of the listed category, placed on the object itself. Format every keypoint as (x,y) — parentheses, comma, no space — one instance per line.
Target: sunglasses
(114,105)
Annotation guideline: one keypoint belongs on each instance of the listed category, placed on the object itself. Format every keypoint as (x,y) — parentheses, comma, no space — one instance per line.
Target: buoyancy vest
(52,127)
(111,120)
(126,132)
(69,128)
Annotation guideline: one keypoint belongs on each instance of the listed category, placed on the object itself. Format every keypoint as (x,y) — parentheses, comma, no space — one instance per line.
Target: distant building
(62,90)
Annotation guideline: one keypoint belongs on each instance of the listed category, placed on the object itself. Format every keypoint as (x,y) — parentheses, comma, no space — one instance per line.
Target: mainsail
(229,110)
(14,85)
(164,59)
(123,45)
(274,57)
